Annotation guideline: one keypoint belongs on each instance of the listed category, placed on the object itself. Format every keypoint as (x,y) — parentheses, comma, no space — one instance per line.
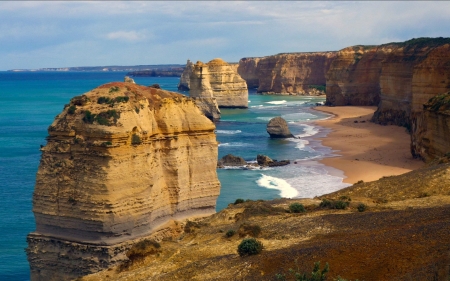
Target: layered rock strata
(120,162)
(184,84)
(220,79)
(294,73)
(431,129)
(201,91)
(228,87)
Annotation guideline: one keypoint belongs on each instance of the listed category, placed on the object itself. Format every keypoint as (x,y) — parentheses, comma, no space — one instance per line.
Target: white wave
(299,116)
(235,144)
(287,191)
(228,132)
(264,118)
(249,101)
(277,102)
(253,106)
(308,131)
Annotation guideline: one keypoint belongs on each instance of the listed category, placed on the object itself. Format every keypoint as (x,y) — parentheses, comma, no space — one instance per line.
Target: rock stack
(121,162)
(278,128)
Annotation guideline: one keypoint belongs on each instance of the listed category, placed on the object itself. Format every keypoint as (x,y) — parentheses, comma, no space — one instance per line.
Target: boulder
(263,160)
(231,160)
(278,128)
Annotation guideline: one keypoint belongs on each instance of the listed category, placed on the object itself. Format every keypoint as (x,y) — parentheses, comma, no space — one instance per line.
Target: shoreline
(367,151)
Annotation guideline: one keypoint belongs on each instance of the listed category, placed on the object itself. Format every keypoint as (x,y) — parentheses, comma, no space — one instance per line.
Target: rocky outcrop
(184,84)
(121,161)
(229,89)
(231,160)
(278,128)
(431,129)
(201,91)
(219,80)
(128,79)
(294,73)
(266,161)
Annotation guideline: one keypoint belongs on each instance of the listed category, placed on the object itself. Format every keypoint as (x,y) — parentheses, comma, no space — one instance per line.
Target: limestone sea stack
(219,79)
(121,162)
(228,87)
(278,128)
(184,84)
(201,92)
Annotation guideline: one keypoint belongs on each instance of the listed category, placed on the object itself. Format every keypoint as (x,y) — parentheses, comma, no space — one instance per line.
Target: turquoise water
(29,101)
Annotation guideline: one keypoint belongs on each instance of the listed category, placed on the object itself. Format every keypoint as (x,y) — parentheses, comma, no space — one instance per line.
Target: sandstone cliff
(201,91)
(184,84)
(219,79)
(294,73)
(121,161)
(431,129)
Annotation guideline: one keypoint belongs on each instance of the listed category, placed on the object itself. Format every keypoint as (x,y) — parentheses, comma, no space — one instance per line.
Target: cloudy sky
(60,34)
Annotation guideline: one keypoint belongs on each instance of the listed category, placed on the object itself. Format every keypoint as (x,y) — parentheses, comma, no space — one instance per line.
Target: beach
(367,151)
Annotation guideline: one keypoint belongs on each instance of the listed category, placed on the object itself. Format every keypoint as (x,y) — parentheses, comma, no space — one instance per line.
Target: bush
(88,117)
(325,203)
(362,207)
(297,208)
(135,139)
(71,109)
(114,89)
(239,201)
(230,233)
(341,204)
(316,274)
(142,249)
(249,246)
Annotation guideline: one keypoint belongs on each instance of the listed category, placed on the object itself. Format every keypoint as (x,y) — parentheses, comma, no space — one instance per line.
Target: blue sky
(59,34)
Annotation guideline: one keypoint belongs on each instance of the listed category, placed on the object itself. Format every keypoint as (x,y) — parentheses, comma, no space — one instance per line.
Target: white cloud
(126,35)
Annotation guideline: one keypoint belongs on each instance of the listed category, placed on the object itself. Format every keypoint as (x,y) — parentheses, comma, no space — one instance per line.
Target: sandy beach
(367,151)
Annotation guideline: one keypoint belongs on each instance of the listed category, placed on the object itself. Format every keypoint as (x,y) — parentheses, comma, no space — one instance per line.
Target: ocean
(29,101)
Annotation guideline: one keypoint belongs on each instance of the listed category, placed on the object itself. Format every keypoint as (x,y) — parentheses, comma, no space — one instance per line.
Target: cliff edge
(120,163)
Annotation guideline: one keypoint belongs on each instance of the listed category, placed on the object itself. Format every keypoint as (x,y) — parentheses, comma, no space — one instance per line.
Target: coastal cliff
(431,129)
(121,163)
(219,80)
(293,73)
(184,84)
(201,91)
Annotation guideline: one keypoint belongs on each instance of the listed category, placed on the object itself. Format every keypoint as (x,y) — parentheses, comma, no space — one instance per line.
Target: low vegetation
(297,208)
(249,246)
(106,118)
(316,274)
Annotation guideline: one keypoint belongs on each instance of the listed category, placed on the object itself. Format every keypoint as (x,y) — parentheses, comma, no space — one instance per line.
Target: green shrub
(325,203)
(106,143)
(114,89)
(361,207)
(249,246)
(316,274)
(71,109)
(239,201)
(344,197)
(341,204)
(230,233)
(102,100)
(88,117)
(297,208)
(135,139)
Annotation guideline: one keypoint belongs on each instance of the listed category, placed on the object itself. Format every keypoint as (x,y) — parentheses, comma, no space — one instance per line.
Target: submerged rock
(278,128)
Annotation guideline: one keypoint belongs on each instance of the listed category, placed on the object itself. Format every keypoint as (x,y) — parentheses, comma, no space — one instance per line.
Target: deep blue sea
(29,101)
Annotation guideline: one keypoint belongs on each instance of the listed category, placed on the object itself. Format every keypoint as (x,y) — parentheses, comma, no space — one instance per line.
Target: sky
(39,34)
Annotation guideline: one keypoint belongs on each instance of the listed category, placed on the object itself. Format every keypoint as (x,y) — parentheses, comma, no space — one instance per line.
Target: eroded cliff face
(221,81)
(294,73)
(431,129)
(354,76)
(184,84)
(120,162)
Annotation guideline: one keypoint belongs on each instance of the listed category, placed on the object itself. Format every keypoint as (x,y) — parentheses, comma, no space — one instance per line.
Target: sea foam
(287,191)
(228,132)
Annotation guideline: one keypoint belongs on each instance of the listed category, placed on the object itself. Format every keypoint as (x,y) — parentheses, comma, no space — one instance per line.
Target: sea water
(29,102)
